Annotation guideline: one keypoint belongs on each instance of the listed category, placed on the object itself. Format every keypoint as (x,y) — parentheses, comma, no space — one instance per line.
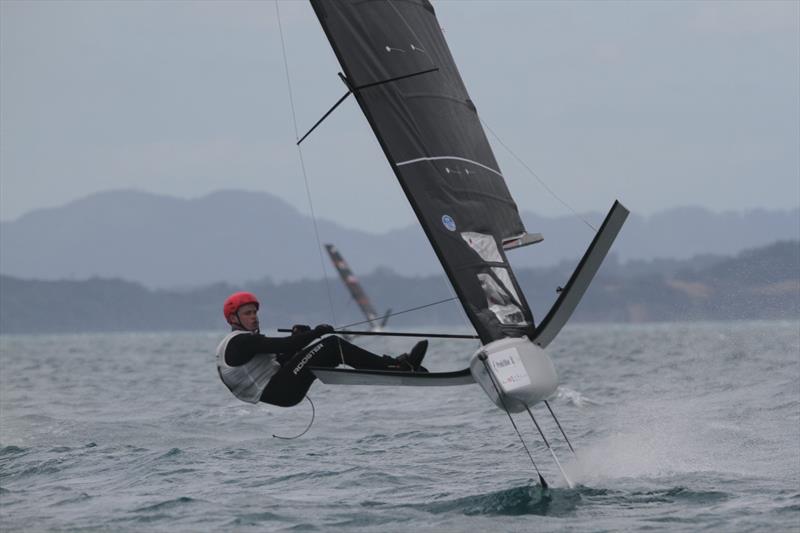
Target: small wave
(667,495)
(172,453)
(677,494)
(789,508)
(789,406)
(11,450)
(177,471)
(411,435)
(524,500)
(235,453)
(255,519)
(790,503)
(374,438)
(81,497)
(168,504)
(50,466)
(60,449)
(318,474)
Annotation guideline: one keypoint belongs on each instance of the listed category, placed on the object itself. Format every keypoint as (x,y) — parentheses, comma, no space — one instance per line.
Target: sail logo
(448,222)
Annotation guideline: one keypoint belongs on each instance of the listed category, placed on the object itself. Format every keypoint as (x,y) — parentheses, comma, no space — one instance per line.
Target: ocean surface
(678,427)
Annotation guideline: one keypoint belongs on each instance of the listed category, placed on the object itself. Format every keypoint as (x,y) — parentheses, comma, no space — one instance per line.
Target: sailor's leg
(338,350)
(333,351)
(286,388)
(291,383)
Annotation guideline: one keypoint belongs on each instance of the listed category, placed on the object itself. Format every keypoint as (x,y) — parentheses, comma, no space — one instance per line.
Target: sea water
(677,427)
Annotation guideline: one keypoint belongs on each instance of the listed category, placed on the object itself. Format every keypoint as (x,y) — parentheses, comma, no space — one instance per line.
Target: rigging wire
(303,166)
(388,315)
(535,175)
(463,313)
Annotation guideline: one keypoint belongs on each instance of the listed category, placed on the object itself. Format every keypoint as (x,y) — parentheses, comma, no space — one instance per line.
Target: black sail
(397,63)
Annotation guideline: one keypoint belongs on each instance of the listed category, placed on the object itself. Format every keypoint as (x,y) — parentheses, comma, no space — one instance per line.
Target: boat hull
(520,369)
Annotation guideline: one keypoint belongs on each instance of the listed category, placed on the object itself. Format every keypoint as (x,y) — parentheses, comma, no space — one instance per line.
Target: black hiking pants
(289,386)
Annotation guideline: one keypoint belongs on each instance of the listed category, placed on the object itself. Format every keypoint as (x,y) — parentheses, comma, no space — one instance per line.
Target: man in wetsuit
(274,369)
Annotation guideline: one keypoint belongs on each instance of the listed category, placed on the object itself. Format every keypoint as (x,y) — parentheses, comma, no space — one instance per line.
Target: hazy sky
(658,103)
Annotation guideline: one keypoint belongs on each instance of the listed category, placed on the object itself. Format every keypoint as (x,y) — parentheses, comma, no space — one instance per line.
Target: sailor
(274,370)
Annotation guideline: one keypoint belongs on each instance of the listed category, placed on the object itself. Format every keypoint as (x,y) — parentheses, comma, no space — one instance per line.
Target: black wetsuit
(289,385)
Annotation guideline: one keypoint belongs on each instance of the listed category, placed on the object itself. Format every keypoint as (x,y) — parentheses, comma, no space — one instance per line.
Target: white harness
(249,380)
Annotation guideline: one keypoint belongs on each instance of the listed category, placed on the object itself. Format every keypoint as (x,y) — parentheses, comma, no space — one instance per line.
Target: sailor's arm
(242,348)
(297,340)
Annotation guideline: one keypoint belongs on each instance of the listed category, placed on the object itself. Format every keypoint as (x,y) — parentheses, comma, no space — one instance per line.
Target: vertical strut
(542,482)
(560,428)
(535,423)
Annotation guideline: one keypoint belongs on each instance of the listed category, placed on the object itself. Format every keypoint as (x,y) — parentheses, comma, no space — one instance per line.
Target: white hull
(521,369)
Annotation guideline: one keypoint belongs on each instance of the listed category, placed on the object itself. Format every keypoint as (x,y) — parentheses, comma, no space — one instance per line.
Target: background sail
(429,130)
(352,284)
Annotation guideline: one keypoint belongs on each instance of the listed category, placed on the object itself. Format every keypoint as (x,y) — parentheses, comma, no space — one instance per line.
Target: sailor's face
(248,317)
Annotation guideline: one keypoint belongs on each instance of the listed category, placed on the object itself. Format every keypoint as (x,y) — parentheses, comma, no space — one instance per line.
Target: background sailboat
(357,292)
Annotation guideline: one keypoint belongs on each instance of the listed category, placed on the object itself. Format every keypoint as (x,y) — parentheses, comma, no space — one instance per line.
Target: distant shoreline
(757,284)
(216,334)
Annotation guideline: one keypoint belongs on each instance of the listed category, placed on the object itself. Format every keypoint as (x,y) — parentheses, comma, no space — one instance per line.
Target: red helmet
(237,300)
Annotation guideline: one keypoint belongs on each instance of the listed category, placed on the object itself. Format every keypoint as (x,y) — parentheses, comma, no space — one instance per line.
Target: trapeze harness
(248,381)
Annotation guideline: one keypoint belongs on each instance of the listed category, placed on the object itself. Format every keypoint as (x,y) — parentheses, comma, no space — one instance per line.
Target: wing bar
(584,273)
(522,240)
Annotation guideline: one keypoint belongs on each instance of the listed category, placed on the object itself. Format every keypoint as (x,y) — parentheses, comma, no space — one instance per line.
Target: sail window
(500,303)
(505,279)
(484,245)
(501,297)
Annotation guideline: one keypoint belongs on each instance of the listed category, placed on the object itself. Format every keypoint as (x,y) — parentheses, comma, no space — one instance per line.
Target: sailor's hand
(323,329)
(300,328)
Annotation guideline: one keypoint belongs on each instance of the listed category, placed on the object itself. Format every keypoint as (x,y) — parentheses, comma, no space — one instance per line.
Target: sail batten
(445,158)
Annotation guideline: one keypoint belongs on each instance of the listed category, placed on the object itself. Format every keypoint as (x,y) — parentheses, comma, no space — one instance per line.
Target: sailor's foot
(412,361)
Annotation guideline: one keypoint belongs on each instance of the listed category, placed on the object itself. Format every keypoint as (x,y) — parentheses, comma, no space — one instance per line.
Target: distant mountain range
(762,283)
(235,236)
